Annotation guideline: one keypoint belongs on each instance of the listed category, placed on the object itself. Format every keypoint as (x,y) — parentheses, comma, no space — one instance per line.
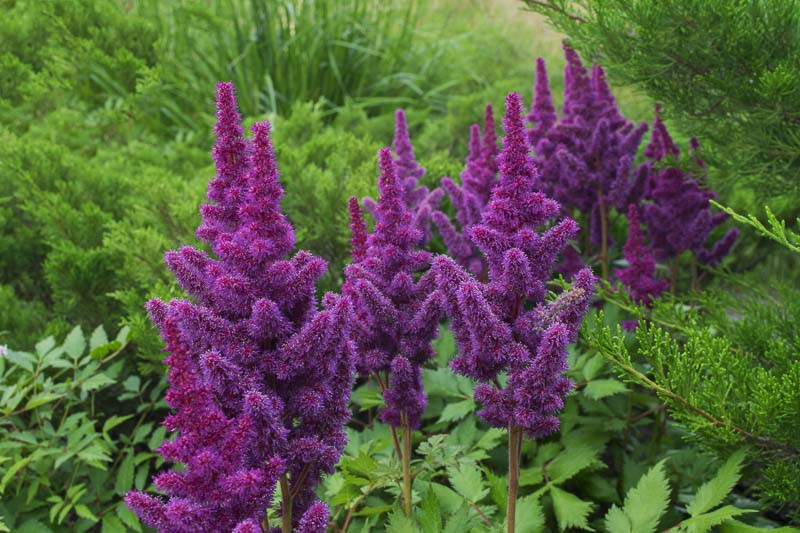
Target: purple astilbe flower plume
(585,156)
(506,324)
(418,199)
(639,276)
(396,316)
(259,377)
(471,197)
(679,218)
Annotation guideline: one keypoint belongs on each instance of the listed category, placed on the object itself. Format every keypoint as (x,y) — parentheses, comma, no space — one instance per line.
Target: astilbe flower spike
(259,377)
(421,201)
(506,325)
(471,197)
(679,216)
(639,275)
(396,316)
(585,156)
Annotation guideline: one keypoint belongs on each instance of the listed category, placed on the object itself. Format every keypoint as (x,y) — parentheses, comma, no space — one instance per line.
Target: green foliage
(66,457)
(727,365)
(727,71)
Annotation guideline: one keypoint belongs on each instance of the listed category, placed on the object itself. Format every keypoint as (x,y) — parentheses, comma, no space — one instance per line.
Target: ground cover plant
(551,322)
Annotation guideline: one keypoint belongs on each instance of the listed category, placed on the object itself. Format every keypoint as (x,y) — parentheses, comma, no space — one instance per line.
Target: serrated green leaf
(712,492)
(98,338)
(96,382)
(41,399)
(124,475)
(45,345)
(466,480)
(603,388)
(491,439)
(365,397)
(647,501)
(16,467)
(571,461)
(84,512)
(114,421)
(112,524)
(22,359)
(529,515)
(593,366)
(456,411)
(458,522)
(104,349)
(430,515)
(75,343)
(128,517)
(570,510)
(398,522)
(616,521)
(704,522)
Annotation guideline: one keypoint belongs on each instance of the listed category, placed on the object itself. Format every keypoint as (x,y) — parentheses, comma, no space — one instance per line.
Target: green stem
(514,445)
(406,460)
(286,496)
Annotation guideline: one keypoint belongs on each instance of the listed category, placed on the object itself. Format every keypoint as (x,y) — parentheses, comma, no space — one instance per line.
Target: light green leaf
(400,523)
(602,388)
(112,524)
(593,366)
(124,475)
(647,501)
(84,512)
(41,399)
(98,338)
(570,510)
(572,460)
(16,467)
(430,516)
(128,517)
(704,522)
(466,480)
(456,411)
(529,515)
(45,345)
(616,521)
(122,336)
(114,421)
(712,492)
(75,343)
(459,521)
(95,382)
(22,359)
(491,439)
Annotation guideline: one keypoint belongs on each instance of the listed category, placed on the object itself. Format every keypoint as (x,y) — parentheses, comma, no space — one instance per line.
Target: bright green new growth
(729,72)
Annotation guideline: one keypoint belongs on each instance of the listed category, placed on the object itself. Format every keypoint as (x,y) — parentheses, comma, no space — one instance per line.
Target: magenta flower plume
(506,325)
(259,377)
(639,276)
(471,197)
(585,156)
(421,201)
(397,315)
(679,217)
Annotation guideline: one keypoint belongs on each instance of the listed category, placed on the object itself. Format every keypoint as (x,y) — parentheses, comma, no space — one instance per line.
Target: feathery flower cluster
(679,216)
(639,276)
(506,324)
(471,197)
(396,316)
(259,377)
(418,199)
(585,157)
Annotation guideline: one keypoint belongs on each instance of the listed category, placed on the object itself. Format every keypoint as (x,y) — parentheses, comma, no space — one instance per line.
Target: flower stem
(286,496)
(514,445)
(406,459)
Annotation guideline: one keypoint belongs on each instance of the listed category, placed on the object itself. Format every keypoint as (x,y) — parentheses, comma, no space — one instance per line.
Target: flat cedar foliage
(614,345)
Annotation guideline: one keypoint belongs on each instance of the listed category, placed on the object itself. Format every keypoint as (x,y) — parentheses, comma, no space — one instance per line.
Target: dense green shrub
(727,71)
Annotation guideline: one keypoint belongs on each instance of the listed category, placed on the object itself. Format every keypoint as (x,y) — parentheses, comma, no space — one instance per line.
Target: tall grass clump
(282,51)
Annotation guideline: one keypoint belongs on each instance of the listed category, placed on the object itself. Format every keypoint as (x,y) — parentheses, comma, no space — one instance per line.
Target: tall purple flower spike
(505,325)
(679,217)
(639,276)
(259,377)
(585,157)
(471,197)
(418,199)
(397,317)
